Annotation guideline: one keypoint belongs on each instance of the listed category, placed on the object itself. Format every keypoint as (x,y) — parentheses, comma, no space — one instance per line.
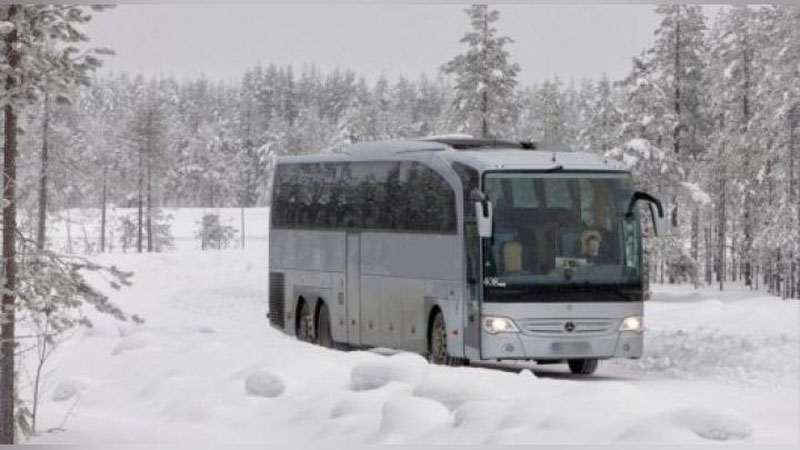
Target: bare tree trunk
(485,94)
(707,255)
(7,326)
(149,188)
(69,231)
(735,253)
(794,195)
(242,221)
(43,173)
(140,201)
(748,213)
(210,193)
(695,236)
(676,141)
(103,202)
(41,354)
(721,224)
(674,225)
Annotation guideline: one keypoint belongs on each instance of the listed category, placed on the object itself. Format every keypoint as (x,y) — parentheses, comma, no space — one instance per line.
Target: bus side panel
(307,250)
(370,311)
(412,255)
(394,292)
(403,275)
(314,266)
(397,308)
(353,289)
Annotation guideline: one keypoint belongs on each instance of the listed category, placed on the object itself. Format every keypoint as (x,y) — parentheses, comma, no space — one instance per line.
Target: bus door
(353,287)
(472,327)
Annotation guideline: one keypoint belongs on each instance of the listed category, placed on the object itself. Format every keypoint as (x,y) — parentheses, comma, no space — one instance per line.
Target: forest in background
(707,120)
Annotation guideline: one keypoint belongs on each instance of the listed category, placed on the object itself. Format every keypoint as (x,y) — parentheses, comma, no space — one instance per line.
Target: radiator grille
(276,296)
(557,326)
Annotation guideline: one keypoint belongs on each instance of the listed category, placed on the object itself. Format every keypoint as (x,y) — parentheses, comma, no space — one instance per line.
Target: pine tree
(148,136)
(485,78)
(604,119)
(38,53)
(665,108)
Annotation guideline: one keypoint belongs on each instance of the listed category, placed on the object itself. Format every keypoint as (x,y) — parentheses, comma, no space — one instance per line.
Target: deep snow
(206,368)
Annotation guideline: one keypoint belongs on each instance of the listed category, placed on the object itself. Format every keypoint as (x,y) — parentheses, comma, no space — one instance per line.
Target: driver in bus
(592,248)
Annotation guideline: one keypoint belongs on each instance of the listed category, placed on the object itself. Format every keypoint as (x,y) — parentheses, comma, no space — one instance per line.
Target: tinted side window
(285,208)
(349,215)
(278,210)
(429,201)
(330,196)
(400,196)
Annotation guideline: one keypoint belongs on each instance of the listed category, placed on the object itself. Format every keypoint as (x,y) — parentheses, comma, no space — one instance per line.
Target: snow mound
(453,394)
(131,342)
(482,416)
(69,388)
(368,401)
(691,423)
(406,418)
(713,425)
(405,367)
(262,383)
(702,352)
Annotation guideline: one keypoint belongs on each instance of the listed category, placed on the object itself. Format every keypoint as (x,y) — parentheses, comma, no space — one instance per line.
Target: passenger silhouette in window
(593,249)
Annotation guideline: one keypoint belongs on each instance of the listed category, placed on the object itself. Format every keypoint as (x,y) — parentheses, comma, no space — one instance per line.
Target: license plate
(570,348)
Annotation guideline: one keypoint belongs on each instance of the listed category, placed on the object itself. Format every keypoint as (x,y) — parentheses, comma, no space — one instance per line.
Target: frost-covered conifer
(485,78)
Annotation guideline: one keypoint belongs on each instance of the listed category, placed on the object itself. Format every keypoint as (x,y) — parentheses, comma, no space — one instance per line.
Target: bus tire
(323,332)
(305,323)
(437,343)
(585,366)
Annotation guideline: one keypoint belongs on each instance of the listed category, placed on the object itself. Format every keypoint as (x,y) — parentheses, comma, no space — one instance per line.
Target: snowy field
(81,227)
(206,368)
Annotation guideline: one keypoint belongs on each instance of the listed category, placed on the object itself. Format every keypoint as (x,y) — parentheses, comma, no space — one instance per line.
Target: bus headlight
(634,323)
(494,325)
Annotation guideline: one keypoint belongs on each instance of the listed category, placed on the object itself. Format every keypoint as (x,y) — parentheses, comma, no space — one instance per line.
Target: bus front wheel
(585,366)
(437,344)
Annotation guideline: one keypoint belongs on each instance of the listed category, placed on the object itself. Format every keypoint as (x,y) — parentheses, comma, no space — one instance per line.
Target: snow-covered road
(206,368)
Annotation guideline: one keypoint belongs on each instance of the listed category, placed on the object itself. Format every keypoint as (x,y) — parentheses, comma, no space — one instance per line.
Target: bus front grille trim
(276,296)
(558,326)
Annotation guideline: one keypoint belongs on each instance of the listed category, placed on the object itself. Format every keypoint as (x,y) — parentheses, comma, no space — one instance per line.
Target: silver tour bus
(460,249)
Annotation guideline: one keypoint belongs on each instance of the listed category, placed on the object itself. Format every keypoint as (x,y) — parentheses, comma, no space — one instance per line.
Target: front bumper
(615,344)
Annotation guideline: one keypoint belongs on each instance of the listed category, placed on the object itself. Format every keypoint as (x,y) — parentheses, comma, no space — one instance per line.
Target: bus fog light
(494,325)
(634,323)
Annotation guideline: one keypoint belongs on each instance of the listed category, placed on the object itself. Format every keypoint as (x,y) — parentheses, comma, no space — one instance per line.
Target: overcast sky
(222,41)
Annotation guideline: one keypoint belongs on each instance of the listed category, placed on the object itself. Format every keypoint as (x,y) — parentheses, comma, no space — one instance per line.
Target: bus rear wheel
(585,366)
(324,335)
(437,344)
(305,323)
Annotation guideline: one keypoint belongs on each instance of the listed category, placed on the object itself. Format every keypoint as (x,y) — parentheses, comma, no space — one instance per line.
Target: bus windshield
(561,228)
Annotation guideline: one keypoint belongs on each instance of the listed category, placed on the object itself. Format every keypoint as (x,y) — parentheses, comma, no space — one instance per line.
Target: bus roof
(494,155)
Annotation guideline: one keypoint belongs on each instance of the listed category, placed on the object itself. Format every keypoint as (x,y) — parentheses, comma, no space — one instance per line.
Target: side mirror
(656,210)
(483,213)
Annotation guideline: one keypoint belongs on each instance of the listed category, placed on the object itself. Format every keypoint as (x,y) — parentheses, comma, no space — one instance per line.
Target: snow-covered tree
(485,78)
